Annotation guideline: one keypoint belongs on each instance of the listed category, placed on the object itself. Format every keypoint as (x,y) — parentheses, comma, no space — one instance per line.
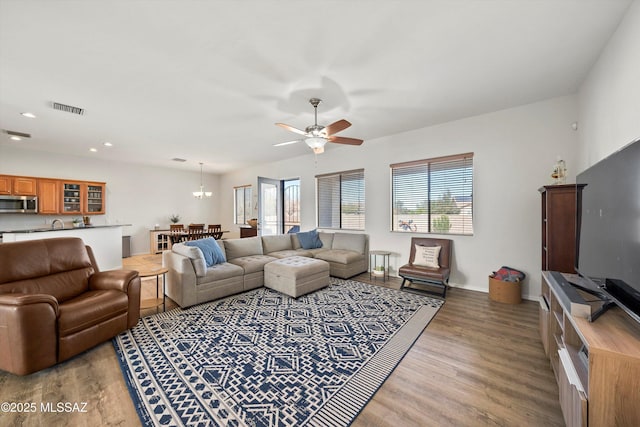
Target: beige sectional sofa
(190,281)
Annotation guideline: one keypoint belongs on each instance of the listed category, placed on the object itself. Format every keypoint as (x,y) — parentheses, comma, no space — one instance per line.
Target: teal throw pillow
(210,249)
(309,239)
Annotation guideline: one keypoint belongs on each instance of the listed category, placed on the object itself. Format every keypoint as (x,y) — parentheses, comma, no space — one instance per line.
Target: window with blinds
(340,200)
(433,195)
(242,204)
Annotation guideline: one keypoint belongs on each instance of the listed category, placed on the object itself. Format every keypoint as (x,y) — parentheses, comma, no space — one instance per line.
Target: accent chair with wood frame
(431,274)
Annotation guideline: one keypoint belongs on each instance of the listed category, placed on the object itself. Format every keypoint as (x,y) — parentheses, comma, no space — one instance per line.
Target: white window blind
(340,200)
(242,204)
(433,195)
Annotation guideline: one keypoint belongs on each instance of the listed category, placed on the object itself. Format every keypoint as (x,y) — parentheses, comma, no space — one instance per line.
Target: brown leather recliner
(419,274)
(55,304)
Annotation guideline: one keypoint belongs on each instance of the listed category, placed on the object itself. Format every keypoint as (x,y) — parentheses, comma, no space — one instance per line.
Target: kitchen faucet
(53,223)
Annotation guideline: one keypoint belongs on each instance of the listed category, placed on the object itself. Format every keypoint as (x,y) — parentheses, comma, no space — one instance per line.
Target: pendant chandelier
(201,194)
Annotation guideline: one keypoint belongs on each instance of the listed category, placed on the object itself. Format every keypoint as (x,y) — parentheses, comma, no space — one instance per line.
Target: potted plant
(174,218)
(77,222)
(378,270)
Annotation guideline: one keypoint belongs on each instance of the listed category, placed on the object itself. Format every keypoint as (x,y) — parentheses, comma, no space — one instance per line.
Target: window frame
(425,191)
(360,195)
(247,203)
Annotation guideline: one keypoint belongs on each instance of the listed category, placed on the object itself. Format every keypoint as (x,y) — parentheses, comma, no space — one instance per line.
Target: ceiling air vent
(68,108)
(177,159)
(18,134)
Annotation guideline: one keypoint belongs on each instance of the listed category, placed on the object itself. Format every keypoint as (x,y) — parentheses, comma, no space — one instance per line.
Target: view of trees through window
(433,195)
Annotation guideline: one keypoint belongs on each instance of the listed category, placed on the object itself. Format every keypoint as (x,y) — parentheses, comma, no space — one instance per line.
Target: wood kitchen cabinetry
(58,196)
(18,185)
(48,196)
(82,198)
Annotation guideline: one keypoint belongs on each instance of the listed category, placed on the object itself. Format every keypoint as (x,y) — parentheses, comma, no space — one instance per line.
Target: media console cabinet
(596,364)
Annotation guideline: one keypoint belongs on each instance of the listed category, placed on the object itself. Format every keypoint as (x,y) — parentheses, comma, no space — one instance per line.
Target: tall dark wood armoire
(559,226)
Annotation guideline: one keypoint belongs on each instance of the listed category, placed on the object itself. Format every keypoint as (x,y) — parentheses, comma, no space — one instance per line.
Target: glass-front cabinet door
(71,198)
(95,199)
(83,198)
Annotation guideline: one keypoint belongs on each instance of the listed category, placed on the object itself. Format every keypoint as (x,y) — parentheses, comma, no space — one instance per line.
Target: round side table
(373,263)
(157,272)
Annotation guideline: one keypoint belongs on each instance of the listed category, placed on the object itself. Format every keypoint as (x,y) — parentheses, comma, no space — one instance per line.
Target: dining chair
(215,231)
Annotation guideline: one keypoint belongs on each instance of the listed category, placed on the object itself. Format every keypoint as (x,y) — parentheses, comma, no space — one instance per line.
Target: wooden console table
(248,232)
(597,364)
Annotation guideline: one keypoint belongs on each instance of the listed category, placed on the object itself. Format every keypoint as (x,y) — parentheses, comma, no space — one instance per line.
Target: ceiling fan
(316,136)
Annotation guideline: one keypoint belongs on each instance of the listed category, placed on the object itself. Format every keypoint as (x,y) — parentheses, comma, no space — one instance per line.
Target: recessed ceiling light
(93,150)
(15,138)
(107,144)
(30,115)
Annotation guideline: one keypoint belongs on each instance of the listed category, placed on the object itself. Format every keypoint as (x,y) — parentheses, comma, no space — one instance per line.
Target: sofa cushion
(309,239)
(280,242)
(210,249)
(236,248)
(326,239)
(340,256)
(36,258)
(194,254)
(89,309)
(349,242)
(252,263)
(221,271)
(60,267)
(291,252)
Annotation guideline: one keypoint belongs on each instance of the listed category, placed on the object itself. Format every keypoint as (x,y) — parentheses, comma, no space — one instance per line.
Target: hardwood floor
(479,363)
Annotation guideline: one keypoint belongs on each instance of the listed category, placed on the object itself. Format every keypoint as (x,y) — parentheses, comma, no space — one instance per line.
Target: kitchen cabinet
(48,196)
(18,185)
(82,198)
(58,196)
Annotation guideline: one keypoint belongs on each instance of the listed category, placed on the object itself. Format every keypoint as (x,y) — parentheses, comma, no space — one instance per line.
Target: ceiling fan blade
(345,140)
(337,127)
(291,128)
(286,143)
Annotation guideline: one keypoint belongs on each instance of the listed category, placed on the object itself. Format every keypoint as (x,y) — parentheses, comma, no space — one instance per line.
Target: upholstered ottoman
(296,275)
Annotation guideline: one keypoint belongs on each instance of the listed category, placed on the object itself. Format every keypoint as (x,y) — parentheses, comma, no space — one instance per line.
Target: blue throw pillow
(309,239)
(210,249)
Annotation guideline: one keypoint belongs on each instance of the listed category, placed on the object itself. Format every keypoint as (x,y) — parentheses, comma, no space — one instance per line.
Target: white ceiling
(207,80)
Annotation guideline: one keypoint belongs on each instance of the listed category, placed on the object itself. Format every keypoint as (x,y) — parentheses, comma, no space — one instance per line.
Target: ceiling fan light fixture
(315,143)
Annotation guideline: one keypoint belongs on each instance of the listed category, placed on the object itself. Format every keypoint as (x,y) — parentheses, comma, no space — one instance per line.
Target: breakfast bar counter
(105,240)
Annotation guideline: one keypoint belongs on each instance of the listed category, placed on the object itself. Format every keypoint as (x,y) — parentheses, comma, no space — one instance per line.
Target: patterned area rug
(262,358)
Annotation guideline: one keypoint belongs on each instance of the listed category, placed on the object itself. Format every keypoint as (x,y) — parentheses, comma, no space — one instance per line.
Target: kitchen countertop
(37,230)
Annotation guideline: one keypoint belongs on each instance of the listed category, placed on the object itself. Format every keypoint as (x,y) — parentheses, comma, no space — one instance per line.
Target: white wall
(609,98)
(138,195)
(515,151)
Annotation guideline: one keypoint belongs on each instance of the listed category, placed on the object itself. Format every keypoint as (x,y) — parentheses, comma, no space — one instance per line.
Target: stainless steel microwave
(19,204)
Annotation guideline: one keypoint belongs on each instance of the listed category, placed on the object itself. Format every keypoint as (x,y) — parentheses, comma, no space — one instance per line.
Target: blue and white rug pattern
(262,358)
